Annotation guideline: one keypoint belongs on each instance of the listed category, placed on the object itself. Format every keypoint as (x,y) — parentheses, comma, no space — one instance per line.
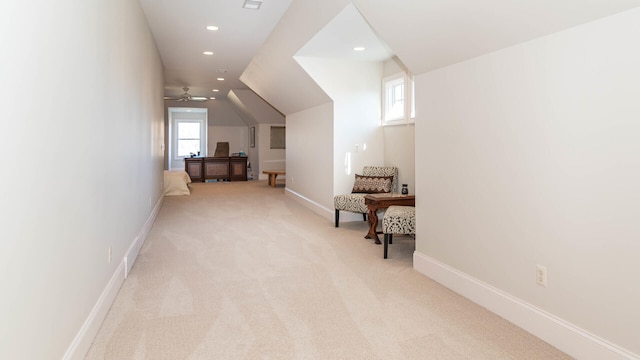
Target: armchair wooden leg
(337,217)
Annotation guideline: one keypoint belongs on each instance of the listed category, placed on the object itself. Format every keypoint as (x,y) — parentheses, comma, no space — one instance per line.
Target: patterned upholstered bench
(398,220)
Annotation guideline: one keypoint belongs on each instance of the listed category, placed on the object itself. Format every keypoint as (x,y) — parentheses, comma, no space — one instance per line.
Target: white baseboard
(310,204)
(82,342)
(134,249)
(326,213)
(565,336)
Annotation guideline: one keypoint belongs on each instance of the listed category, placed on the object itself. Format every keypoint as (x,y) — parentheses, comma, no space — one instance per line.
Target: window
(394,90)
(188,136)
(398,99)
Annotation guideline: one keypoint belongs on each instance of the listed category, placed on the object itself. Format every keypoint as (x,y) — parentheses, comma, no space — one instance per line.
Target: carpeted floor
(240,271)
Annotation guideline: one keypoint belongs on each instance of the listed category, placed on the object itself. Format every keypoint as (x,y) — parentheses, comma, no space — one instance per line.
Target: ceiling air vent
(252,4)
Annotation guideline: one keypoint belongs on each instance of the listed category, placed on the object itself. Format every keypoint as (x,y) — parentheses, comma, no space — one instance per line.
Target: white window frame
(200,138)
(408,109)
(180,114)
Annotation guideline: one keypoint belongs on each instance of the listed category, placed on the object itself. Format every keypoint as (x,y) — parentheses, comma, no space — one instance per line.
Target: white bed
(176,182)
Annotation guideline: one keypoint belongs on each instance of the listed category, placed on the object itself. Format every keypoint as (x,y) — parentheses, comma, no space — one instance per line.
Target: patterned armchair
(354,202)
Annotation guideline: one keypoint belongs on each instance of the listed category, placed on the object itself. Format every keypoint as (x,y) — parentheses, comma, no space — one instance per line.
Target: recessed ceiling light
(359,48)
(212,28)
(252,4)
(215,90)
(208,53)
(212,98)
(220,79)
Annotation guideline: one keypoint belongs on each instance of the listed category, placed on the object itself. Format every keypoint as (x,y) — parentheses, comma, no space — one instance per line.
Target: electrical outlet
(356,148)
(109,256)
(541,275)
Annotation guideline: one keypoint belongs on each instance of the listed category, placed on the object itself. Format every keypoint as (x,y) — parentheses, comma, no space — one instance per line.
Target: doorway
(187,135)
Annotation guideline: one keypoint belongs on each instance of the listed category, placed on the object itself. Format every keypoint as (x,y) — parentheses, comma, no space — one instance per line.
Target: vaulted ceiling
(258,46)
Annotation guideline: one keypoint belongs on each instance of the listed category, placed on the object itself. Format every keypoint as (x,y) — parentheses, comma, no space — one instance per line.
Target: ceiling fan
(186,96)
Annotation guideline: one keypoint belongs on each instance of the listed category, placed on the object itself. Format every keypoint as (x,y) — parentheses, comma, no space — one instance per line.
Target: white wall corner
(565,336)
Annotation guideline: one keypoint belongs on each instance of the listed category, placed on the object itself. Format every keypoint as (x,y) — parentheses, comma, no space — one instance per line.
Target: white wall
(221,112)
(82,165)
(399,151)
(530,155)
(237,136)
(255,111)
(358,139)
(269,159)
(309,160)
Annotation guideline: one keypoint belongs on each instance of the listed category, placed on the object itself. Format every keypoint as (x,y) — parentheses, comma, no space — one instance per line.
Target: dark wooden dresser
(201,169)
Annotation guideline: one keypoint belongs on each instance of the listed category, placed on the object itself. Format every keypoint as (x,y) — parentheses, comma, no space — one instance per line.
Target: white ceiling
(425,35)
(179,29)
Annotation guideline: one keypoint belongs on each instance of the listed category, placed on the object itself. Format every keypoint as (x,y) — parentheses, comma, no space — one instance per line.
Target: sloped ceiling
(274,74)
(424,35)
(427,35)
(252,109)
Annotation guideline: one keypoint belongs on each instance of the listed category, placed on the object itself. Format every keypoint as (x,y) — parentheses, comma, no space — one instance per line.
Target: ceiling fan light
(186,96)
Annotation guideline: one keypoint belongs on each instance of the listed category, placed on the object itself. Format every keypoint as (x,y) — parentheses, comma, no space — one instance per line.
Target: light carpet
(240,271)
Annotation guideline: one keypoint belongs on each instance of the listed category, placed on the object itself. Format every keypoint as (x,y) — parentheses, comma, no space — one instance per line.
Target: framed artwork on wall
(252,136)
(278,137)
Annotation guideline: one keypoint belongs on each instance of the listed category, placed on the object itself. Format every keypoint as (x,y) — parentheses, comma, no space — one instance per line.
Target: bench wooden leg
(387,241)
(272,176)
